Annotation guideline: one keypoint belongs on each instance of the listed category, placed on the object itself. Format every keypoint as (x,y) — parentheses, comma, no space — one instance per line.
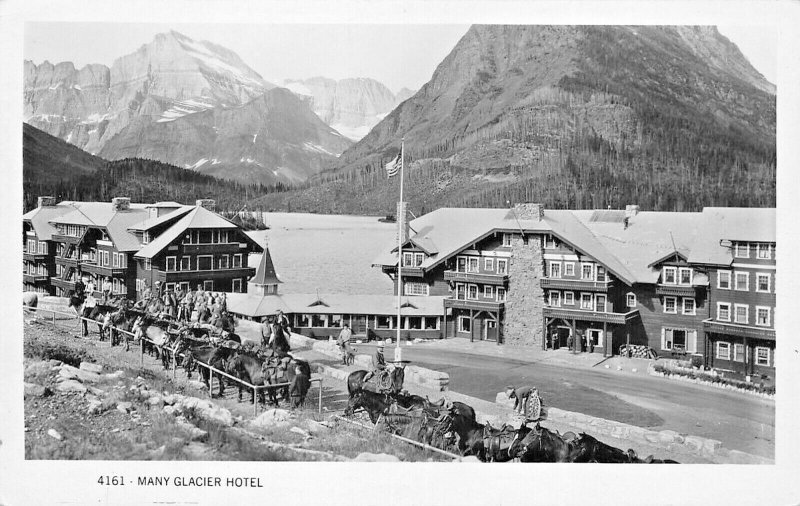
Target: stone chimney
(46,201)
(209,204)
(121,203)
(529,211)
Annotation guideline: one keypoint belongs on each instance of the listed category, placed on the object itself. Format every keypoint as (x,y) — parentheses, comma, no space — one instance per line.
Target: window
(415,288)
(31,246)
(186,263)
(123,260)
(685,276)
(431,322)
(507,240)
(408,259)
(185,286)
(724,311)
(464,324)
(742,281)
(473,264)
(413,322)
(319,320)
(762,356)
(741,250)
(741,313)
(569,268)
(488,292)
(148,264)
(586,301)
(223,262)
(114,259)
(689,306)
(601,274)
(724,280)
(335,320)
(762,282)
(208,285)
(738,352)
(461,291)
(106,258)
(630,299)
(600,303)
(670,305)
(549,242)
(42,248)
(205,262)
(472,292)
(723,350)
(587,271)
(555,299)
(763,316)
(384,322)
(171,261)
(501,295)
(488,264)
(502,266)
(418,259)
(146,238)
(678,338)
(669,275)
(555,269)
(569,298)
(764,251)
(205,236)
(170,287)
(237,260)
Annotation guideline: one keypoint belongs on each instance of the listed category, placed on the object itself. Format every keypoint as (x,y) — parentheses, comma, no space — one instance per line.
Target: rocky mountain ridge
(154,102)
(351,106)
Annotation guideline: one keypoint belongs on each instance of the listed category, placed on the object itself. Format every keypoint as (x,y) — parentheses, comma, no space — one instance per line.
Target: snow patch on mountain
(182,108)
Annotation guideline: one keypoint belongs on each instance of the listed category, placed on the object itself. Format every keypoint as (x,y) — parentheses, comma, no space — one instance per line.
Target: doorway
(490,330)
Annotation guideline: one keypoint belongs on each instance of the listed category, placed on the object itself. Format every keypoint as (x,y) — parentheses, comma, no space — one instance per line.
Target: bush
(713,379)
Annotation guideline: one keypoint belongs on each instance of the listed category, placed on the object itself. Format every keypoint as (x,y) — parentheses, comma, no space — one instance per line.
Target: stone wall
(523,320)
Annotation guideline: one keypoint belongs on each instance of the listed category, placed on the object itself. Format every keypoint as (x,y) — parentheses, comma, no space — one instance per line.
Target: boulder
(302,432)
(34,390)
(195,433)
(155,401)
(272,418)
(54,434)
(95,407)
(88,366)
(37,368)
(375,457)
(114,375)
(67,371)
(316,428)
(54,363)
(70,385)
(170,410)
(206,410)
(124,407)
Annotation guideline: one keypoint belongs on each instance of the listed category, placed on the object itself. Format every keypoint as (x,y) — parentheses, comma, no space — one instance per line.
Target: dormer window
(741,250)
(764,251)
(685,275)
(669,275)
(507,240)
(146,238)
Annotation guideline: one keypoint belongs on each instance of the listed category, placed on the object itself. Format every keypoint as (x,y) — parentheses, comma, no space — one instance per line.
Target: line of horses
(452,426)
(189,344)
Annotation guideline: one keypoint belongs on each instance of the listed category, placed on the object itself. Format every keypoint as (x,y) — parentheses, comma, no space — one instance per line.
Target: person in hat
(378,362)
(283,321)
(344,342)
(521,395)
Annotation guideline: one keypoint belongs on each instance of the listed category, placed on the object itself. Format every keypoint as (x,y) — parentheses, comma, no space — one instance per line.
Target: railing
(676,290)
(584,314)
(473,304)
(576,284)
(476,277)
(173,352)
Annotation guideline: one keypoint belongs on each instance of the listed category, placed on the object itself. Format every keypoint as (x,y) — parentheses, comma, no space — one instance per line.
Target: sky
(400,55)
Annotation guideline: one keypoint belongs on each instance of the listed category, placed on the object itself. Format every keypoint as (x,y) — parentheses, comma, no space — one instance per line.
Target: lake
(329,253)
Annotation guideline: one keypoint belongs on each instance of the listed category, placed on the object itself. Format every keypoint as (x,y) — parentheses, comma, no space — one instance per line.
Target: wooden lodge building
(681,283)
(133,246)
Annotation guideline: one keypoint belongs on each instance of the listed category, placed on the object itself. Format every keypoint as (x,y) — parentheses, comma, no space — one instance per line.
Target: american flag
(393,167)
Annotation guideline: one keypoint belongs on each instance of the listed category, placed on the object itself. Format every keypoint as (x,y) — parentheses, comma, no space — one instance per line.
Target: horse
(271,369)
(540,445)
(355,380)
(146,327)
(249,368)
(374,404)
(214,356)
(588,449)
(120,322)
(470,432)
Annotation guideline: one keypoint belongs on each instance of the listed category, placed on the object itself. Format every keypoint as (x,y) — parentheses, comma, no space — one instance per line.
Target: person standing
(344,342)
(107,287)
(299,387)
(88,306)
(266,331)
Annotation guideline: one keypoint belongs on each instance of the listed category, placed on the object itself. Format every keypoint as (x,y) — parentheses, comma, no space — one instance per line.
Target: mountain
(163,101)
(671,118)
(351,106)
(52,166)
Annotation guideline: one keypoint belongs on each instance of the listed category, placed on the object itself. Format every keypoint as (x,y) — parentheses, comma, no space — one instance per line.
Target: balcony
(677,290)
(208,249)
(478,305)
(408,272)
(34,278)
(34,257)
(475,277)
(67,262)
(593,316)
(733,329)
(68,239)
(176,276)
(62,283)
(578,285)
(94,268)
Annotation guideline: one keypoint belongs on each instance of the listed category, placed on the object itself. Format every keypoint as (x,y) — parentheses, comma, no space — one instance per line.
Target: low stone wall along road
(742,422)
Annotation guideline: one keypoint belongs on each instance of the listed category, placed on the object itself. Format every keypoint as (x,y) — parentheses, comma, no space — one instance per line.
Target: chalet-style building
(132,246)
(604,278)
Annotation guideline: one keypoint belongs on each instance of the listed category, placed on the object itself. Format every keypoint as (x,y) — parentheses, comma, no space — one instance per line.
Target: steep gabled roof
(165,218)
(118,226)
(719,224)
(41,217)
(199,217)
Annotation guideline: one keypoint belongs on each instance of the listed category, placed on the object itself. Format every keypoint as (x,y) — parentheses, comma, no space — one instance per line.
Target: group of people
(378,359)
(202,306)
(275,332)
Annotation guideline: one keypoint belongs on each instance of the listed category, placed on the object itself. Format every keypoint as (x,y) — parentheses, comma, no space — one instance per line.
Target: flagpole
(401,223)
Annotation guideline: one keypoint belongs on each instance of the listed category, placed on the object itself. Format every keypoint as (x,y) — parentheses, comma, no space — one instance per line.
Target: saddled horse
(215,356)
(154,337)
(120,323)
(470,433)
(588,449)
(355,381)
(278,370)
(250,368)
(539,444)
(374,404)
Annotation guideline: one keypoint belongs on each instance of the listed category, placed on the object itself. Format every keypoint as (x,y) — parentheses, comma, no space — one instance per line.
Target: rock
(54,434)
(124,407)
(667,436)
(298,430)
(155,401)
(96,391)
(206,410)
(170,410)
(88,366)
(69,372)
(272,418)
(53,362)
(652,437)
(95,407)
(694,442)
(195,433)
(70,385)
(375,457)
(114,375)
(37,368)
(34,390)
(172,398)
(316,428)
(711,445)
